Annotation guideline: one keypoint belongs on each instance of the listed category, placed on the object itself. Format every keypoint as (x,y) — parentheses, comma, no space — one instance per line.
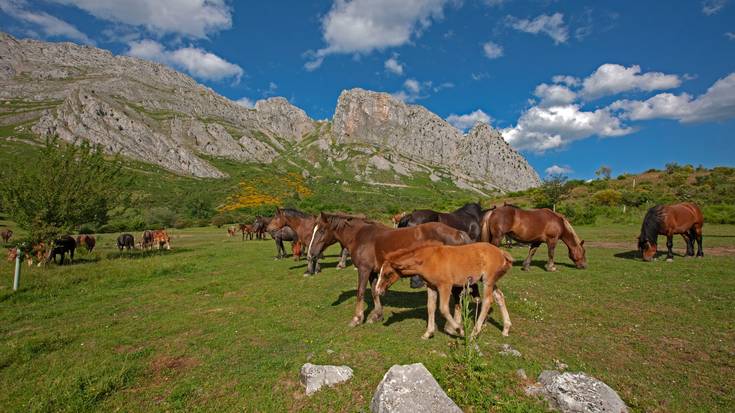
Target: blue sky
(573,85)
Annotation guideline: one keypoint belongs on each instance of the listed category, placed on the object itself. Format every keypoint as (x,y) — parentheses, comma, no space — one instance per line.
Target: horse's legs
(500,299)
(551,244)
(531,251)
(698,232)
(669,247)
(362,279)
(457,295)
(343,258)
(377,313)
(689,240)
(487,303)
(451,327)
(431,308)
(71,255)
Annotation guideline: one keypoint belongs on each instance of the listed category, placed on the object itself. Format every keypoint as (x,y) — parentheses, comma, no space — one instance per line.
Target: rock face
(411,388)
(152,113)
(577,393)
(314,377)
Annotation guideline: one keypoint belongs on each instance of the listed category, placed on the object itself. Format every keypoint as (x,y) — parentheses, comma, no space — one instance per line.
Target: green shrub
(579,214)
(607,197)
(719,214)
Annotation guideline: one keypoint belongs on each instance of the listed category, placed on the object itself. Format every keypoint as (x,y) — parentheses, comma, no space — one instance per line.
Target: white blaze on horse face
(313,234)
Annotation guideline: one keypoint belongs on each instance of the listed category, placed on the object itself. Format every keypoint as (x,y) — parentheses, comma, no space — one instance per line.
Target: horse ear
(322,216)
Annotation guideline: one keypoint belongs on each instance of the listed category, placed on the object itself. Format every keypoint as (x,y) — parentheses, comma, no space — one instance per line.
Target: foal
(447,266)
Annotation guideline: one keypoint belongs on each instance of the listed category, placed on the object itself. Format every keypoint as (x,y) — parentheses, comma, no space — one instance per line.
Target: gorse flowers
(265,191)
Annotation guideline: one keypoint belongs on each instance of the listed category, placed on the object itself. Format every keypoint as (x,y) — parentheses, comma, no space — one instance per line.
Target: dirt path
(626,246)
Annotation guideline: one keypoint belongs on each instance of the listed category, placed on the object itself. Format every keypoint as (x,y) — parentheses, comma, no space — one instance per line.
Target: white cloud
(558,170)
(199,63)
(717,104)
(553,95)
(393,65)
(730,35)
(542,128)
(710,7)
(414,90)
(494,3)
(551,25)
(50,26)
(480,76)
(567,80)
(362,26)
(610,79)
(466,121)
(492,50)
(245,102)
(190,18)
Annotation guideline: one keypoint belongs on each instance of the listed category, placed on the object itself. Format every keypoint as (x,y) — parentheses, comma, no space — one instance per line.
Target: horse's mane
(651,224)
(292,212)
(472,208)
(568,228)
(511,205)
(339,220)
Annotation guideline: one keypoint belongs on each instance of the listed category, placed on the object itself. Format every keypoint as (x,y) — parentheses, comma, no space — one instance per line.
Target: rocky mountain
(151,113)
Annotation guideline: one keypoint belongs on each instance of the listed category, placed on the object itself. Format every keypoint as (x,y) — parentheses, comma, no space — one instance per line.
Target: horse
(684,218)
(304,227)
(368,243)
(246,229)
(259,227)
(444,267)
(534,226)
(467,218)
(6,234)
(161,239)
(36,250)
(147,242)
(285,234)
(88,241)
(125,241)
(296,250)
(395,219)
(231,231)
(61,246)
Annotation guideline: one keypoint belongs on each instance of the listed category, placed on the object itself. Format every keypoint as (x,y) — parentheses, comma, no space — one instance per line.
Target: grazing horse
(147,242)
(231,231)
(60,247)
(88,241)
(285,234)
(246,229)
(6,234)
(444,267)
(125,241)
(684,218)
(259,227)
(37,251)
(534,226)
(304,226)
(161,239)
(369,242)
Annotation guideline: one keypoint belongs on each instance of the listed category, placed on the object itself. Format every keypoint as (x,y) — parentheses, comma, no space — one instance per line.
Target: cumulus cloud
(567,80)
(466,121)
(552,95)
(717,104)
(551,25)
(190,18)
(710,7)
(492,50)
(362,26)
(543,128)
(414,90)
(246,102)
(558,170)
(197,62)
(392,65)
(50,26)
(610,79)
(730,35)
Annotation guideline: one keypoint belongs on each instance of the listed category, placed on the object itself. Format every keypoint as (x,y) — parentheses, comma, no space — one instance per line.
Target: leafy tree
(200,207)
(604,172)
(68,185)
(551,191)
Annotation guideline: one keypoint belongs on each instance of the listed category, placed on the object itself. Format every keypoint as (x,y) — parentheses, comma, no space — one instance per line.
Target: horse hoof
(700,256)
(524,268)
(427,336)
(354,322)
(669,260)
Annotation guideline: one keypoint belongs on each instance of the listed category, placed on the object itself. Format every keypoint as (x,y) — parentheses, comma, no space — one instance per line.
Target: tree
(603,172)
(551,191)
(66,186)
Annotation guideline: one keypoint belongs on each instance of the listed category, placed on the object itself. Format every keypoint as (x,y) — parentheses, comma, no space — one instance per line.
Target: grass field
(217,325)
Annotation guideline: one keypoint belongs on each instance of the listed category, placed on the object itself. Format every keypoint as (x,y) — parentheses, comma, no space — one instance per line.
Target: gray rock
(314,377)
(521,374)
(577,393)
(507,350)
(410,388)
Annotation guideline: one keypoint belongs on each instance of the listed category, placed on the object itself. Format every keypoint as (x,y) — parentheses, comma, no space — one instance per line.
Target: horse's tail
(508,260)
(485,224)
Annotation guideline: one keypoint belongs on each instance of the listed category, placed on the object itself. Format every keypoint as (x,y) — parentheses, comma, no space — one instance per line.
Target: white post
(16,278)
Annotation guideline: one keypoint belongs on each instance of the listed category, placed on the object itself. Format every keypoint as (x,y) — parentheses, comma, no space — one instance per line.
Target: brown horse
(247,230)
(161,239)
(88,241)
(369,242)
(444,267)
(231,231)
(303,225)
(37,251)
(6,234)
(534,226)
(684,218)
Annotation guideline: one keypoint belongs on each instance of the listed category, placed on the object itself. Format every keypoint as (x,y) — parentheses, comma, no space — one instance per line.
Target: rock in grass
(577,393)
(314,377)
(507,350)
(410,388)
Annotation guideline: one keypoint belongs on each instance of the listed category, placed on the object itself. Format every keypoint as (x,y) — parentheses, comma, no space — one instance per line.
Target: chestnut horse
(246,229)
(303,225)
(444,267)
(534,226)
(369,242)
(684,218)
(6,234)
(88,241)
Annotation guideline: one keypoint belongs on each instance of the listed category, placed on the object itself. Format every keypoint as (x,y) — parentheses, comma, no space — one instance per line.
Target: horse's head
(321,236)
(278,221)
(388,276)
(646,248)
(578,255)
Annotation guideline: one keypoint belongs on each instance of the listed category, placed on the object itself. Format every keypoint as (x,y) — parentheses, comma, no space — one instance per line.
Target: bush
(719,214)
(579,214)
(607,197)
(160,217)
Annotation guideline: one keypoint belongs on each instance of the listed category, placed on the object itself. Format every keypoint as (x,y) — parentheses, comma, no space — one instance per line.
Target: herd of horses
(453,251)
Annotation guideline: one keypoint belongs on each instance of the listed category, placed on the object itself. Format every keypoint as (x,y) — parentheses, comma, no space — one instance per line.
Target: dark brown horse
(88,241)
(303,225)
(369,242)
(6,234)
(535,226)
(259,227)
(684,218)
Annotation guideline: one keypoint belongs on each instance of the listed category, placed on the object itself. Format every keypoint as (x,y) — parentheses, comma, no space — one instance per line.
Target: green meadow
(216,324)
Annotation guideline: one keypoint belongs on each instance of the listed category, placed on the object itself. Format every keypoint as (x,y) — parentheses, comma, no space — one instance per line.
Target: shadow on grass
(138,254)
(542,264)
(635,255)
(420,313)
(401,299)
